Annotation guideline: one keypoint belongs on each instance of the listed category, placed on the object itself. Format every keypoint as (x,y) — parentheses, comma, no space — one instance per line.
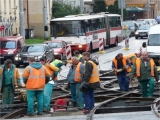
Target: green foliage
(34,41)
(115,10)
(100,6)
(61,9)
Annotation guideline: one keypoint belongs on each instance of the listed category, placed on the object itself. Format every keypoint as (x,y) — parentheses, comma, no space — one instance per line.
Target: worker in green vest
(79,56)
(58,63)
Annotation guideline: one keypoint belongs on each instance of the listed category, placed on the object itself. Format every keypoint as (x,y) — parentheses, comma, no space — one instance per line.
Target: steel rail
(156,107)
(15,114)
(90,115)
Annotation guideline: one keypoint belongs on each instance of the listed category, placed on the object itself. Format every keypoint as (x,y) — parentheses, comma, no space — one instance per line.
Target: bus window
(114,21)
(67,28)
(94,24)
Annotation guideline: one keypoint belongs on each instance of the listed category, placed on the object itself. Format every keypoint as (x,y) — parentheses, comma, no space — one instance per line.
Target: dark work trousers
(123,81)
(88,97)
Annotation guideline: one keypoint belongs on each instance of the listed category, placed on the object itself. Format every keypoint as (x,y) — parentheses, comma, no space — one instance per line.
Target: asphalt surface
(105,61)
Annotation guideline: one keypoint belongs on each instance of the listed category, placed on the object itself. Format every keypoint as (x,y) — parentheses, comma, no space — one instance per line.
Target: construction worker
(53,71)
(9,78)
(121,67)
(132,57)
(146,72)
(74,78)
(90,82)
(35,76)
(79,56)
(58,63)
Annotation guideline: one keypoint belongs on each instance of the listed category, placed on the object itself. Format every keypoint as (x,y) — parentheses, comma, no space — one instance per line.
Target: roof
(135,9)
(35,44)
(85,17)
(155,29)
(53,41)
(11,38)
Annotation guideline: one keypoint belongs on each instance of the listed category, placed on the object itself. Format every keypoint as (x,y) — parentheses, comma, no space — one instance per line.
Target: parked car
(150,21)
(34,50)
(132,25)
(59,48)
(158,19)
(140,23)
(142,31)
(10,46)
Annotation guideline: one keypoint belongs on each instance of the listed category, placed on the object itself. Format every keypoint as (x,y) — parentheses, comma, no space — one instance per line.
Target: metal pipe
(22,24)
(45,20)
(121,9)
(81,6)
(27,15)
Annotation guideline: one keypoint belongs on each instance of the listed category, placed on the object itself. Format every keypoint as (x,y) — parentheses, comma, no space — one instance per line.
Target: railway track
(108,98)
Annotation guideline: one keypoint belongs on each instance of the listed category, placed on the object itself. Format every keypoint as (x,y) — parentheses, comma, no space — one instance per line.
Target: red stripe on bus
(116,28)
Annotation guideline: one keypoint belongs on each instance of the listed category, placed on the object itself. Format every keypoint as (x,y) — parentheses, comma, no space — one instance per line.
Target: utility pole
(45,20)
(81,6)
(21,14)
(121,1)
(148,8)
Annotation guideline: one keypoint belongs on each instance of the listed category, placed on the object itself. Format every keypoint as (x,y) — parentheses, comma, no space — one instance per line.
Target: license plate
(25,61)
(142,34)
(1,57)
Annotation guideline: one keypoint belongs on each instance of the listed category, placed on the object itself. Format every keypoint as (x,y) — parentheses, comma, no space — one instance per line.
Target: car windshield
(67,28)
(55,44)
(7,44)
(33,48)
(154,39)
(130,24)
(144,27)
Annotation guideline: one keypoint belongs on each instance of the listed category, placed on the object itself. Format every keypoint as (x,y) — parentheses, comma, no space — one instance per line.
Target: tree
(100,6)
(115,10)
(61,9)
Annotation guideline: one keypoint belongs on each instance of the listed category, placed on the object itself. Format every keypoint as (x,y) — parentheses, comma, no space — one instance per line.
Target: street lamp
(147,8)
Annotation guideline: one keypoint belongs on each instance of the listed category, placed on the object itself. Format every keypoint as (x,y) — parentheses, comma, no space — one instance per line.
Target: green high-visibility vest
(79,56)
(55,62)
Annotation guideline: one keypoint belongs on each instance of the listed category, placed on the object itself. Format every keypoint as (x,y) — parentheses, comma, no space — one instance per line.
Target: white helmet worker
(138,54)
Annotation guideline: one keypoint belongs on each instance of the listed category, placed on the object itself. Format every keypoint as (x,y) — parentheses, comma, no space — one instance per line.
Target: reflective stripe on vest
(95,74)
(77,75)
(124,64)
(138,65)
(36,79)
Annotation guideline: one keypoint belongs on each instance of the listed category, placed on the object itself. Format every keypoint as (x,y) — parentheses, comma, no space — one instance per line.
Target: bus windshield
(67,28)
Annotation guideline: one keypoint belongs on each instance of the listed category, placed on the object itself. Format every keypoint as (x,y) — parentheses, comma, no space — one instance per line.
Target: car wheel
(90,48)
(136,37)
(116,44)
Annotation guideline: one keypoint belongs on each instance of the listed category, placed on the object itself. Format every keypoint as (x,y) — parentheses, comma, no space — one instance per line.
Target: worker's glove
(126,67)
(84,86)
(119,70)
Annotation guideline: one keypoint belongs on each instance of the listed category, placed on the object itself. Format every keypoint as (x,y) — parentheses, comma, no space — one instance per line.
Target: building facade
(154,7)
(33,12)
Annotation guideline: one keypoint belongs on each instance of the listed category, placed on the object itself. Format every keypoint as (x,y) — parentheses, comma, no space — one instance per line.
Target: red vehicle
(10,46)
(59,48)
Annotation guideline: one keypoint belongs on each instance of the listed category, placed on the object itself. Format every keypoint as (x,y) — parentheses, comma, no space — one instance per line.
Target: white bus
(83,32)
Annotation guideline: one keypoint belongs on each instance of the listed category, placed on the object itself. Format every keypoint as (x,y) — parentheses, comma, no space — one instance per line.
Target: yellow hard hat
(125,27)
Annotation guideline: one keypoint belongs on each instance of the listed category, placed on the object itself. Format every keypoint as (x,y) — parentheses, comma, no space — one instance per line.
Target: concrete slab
(146,115)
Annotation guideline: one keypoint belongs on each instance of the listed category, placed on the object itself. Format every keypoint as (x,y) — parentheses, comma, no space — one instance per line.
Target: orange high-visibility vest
(95,74)
(138,65)
(130,55)
(36,79)
(124,64)
(77,75)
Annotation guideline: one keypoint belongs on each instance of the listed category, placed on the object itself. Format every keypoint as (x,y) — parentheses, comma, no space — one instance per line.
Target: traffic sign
(2,28)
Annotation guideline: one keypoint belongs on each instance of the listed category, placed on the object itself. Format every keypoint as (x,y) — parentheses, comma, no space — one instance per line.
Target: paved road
(105,59)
